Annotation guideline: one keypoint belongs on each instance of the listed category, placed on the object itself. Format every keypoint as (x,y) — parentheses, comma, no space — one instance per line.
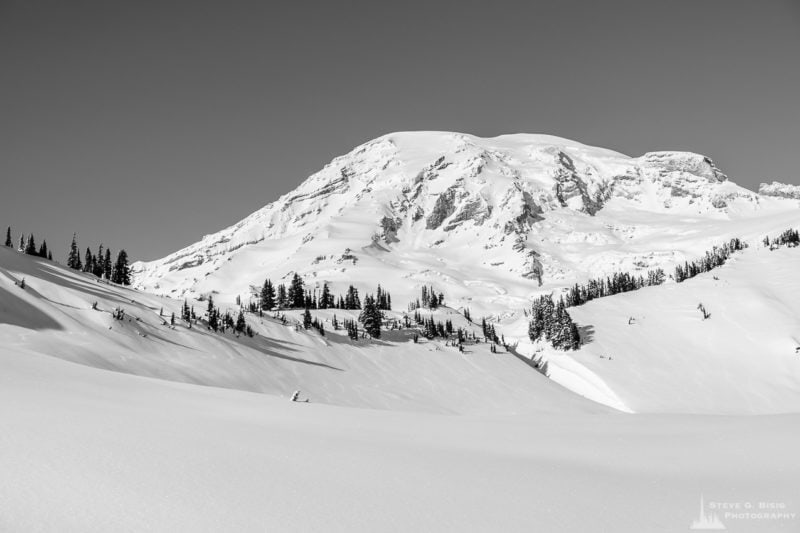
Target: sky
(146,125)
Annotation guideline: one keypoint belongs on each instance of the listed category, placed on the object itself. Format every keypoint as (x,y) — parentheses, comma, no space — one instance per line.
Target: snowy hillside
(53,315)
(87,449)
(494,223)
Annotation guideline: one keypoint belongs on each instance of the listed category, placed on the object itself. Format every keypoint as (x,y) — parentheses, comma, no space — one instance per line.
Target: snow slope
(744,359)
(53,315)
(88,450)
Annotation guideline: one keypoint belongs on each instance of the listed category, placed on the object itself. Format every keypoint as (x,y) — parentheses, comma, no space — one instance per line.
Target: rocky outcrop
(444,207)
(570,185)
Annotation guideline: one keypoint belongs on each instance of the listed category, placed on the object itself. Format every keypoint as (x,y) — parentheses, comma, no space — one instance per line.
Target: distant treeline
(617,283)
(789,238)
(98,264)
(713,259)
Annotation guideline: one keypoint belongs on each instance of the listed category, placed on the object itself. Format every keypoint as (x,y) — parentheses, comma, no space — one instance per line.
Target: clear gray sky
(147,124)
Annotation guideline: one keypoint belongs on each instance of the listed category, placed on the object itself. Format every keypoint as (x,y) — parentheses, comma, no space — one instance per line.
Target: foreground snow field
(398,436)
(84,449)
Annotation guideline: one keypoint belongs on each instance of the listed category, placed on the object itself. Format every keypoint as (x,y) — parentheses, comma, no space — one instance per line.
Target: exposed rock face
(444,207)
(779,190)
(676,164)
(390,227)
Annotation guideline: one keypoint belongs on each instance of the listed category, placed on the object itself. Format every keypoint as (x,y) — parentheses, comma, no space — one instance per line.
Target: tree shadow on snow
(586,333)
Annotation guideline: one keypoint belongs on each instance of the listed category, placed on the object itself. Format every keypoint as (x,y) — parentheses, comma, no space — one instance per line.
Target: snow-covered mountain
(105,446)
(490,222)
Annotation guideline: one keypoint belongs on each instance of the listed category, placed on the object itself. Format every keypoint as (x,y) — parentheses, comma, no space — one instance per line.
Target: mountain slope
(655,351)
(53,316)
(493,223)
(535,212)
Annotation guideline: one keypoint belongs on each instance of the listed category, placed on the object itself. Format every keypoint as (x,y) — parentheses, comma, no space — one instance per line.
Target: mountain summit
(488,221)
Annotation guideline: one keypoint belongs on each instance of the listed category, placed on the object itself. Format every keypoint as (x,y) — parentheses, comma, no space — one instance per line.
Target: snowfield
(139,425)
(397,436)
(84,449)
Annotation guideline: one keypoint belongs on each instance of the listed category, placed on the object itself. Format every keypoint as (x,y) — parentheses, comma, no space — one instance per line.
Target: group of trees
(28,246)
(432,329)
(489,331)
(296,296)
(218,321)
(551,321)
(789,238)
(714,258)
(617,283)
(428,299)
(100,265)
(351,326)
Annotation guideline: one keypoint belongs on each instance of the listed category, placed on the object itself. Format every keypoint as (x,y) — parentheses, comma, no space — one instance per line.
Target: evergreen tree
(108,269)
(240,322)
(370,317)
(21,247)
(74,258)
(351,299)
(50,255)
(8,238)
(307,319)
(283,297)
(121,274)
(30,247)
(326,298)
(267,296)
(296,292)
(88,261)
(43,250)
(98,267)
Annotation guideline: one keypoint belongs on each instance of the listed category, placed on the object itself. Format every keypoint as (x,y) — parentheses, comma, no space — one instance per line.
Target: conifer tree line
(28,246)
(100,264)
(428,299)
(713,259)
(551,321)
(296,296)
(617,283)
(216,321)
(789,238)
(489,331)
(432,329)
